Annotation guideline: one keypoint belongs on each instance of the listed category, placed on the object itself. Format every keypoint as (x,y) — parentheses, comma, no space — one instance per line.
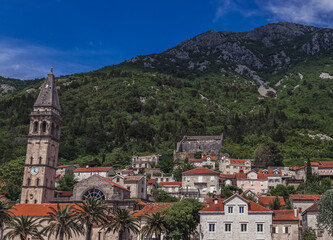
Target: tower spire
(48,96)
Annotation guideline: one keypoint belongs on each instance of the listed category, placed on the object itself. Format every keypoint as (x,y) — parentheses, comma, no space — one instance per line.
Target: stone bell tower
(43,146)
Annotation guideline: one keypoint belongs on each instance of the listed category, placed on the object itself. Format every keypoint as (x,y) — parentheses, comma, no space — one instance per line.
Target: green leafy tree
(275,204)
(123,222)
(61,223)
(326,183)
(167,164)
(182,167)
(229,190)
(23,227)
(325,213)
(308,171)
(162,196)
(308,234)
(5,216)
(155,225)
(182,218)
(67,182)
(90,212)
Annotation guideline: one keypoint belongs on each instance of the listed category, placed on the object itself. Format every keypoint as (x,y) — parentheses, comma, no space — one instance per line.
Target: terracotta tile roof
(227,175)
(64,193)
(219,207)
(312,163)
(212,158)
(151,181)
(58,175)
(241,176)
(133,178)
(171,183)
(266,200)
(142,203)
(312,208)
(151,208)
(237,161)
(285,215)
(244,175)
(326,165)
(93,169)
(112,182)
(200,170)
(305,196)
(64,166)
(271,171)
(195,160)
(294,168)
(37,210)
(262,176)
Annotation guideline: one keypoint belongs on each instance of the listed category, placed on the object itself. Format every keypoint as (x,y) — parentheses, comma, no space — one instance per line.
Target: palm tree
(62,223)
(4,216)
(155,224)
(22,227)
(122,220)
(92,211)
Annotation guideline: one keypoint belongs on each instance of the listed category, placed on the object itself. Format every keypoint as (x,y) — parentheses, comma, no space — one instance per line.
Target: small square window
(241,209)
(212,227)
(230,209)
(243,227)
(260,227)
(228,227)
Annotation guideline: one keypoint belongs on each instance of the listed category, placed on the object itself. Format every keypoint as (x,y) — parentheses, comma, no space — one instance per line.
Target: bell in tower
(43,146)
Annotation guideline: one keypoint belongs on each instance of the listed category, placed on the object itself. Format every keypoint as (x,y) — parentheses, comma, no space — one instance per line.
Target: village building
(65,169)
(164,177)
(228,179)
(189,145)
(274,177)
(266,201)
(325,169)
(84,173)
(204,161)
(234,218)
(200,183)
(151,186)
(140,163)
(137,185)
(233,166)
(309,219)
(173,188)
(303,201)
(286,225)
(256,182)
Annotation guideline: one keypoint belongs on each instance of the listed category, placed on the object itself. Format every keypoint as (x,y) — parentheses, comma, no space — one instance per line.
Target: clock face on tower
(34,171)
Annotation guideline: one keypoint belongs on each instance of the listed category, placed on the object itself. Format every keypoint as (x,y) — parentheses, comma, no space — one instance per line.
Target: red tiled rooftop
(37,210)
(64,193)
(237,161)
(171,183)
(93,169)
(112,182)
(270,171)
(284,215)
(326,165)
(227,175)
(241,175)
(305,196)
(151,181)
(200,170)
(266,200)
(152,208)
(312,163)
(312,208)
(213,158)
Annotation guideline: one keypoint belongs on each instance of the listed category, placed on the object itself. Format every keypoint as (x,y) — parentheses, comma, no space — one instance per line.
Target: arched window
(52,129)
(40,160)
(95,193)
(35,201)
(31,160)
(37,182)
(28,181)
(35,126)
(26,201)
(44,126)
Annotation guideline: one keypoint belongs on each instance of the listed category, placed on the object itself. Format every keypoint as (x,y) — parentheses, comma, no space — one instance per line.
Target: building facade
(84,173)
(256,182)
(235,218)
(286,224)
(233,166)
(43,146)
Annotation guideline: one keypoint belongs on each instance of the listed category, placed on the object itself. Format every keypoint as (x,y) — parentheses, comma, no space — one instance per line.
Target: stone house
(233,166)
(325,169)
(300,171)
(309,219)
(274,177)
(151,185)
(256,182)
(100,187)
(286,224)
(84,173)
(228,179)
(173,188)
(65,169)
(303,201)
(234,218)
(205,161)
(136,184)
(143,162)
(199,183)
(164,177)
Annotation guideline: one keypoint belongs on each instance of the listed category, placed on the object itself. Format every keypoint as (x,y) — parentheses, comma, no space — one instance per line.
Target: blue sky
(79,36)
